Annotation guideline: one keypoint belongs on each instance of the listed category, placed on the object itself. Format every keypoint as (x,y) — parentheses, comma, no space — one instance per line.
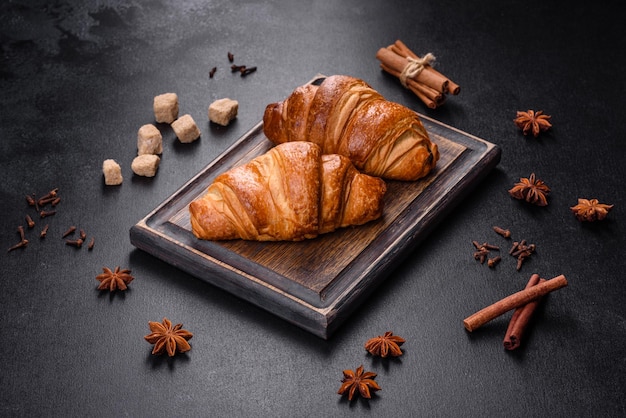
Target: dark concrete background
(77,80)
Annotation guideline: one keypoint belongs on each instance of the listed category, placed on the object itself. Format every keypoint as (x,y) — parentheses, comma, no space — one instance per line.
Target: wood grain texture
(316,283)
(316,264)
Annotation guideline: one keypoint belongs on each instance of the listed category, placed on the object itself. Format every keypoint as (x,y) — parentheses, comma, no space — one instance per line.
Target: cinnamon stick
(520,318)
(513,301)
(429,76)
(429,84)
(437,97)
(429,96)
(451,86)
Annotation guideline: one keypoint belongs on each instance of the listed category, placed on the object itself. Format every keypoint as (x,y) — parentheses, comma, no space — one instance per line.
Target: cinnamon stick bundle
(416,74)
(513,301)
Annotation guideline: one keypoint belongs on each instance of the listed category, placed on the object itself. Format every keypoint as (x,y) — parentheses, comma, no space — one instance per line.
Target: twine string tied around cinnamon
(414,67)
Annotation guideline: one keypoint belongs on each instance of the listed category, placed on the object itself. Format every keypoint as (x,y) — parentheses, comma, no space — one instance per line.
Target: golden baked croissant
(290,193)
(344,115)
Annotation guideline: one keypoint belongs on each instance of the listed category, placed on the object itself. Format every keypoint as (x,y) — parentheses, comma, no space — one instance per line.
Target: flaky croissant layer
(344,115)
(291,193)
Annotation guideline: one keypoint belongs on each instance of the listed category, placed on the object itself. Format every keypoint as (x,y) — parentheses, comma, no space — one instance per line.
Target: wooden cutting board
(316,283)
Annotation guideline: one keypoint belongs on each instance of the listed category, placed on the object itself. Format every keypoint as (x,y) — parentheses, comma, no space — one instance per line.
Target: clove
(522,252)
(30,221)
(23,241)
(69,231)
(483,250)
(21,244)
(481,255)
(45,213)
(20,230)
(516,244)
(247,71)
(51,193)
(48,197)
(492,262)
(76,243)
(501,231)
(45,200)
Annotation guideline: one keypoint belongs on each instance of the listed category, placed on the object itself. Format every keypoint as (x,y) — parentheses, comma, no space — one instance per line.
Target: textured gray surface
(77,81)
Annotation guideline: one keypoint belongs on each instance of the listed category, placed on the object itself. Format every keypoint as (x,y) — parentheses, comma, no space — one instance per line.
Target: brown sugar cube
(166,107)
(186,129)
(222,111)
(149,140)
(112,173)
(145,165)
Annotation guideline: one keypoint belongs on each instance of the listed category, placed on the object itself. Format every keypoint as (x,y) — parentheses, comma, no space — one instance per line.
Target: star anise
(359,380)
(531,190)
(112,280)
(590,210)
(385,345)
(165,337)
(532,121)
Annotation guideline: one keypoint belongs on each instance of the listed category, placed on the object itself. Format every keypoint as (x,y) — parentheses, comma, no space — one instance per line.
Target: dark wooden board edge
(319,320)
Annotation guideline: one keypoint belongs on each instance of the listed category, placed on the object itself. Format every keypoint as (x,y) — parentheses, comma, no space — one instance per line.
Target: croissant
(291,193)
(344,115)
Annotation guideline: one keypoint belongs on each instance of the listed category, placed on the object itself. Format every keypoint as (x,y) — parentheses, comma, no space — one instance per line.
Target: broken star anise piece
(531,190)
(532,121)
(113,280)
(358,381)
(590,210)
(385,345)
(168,338)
